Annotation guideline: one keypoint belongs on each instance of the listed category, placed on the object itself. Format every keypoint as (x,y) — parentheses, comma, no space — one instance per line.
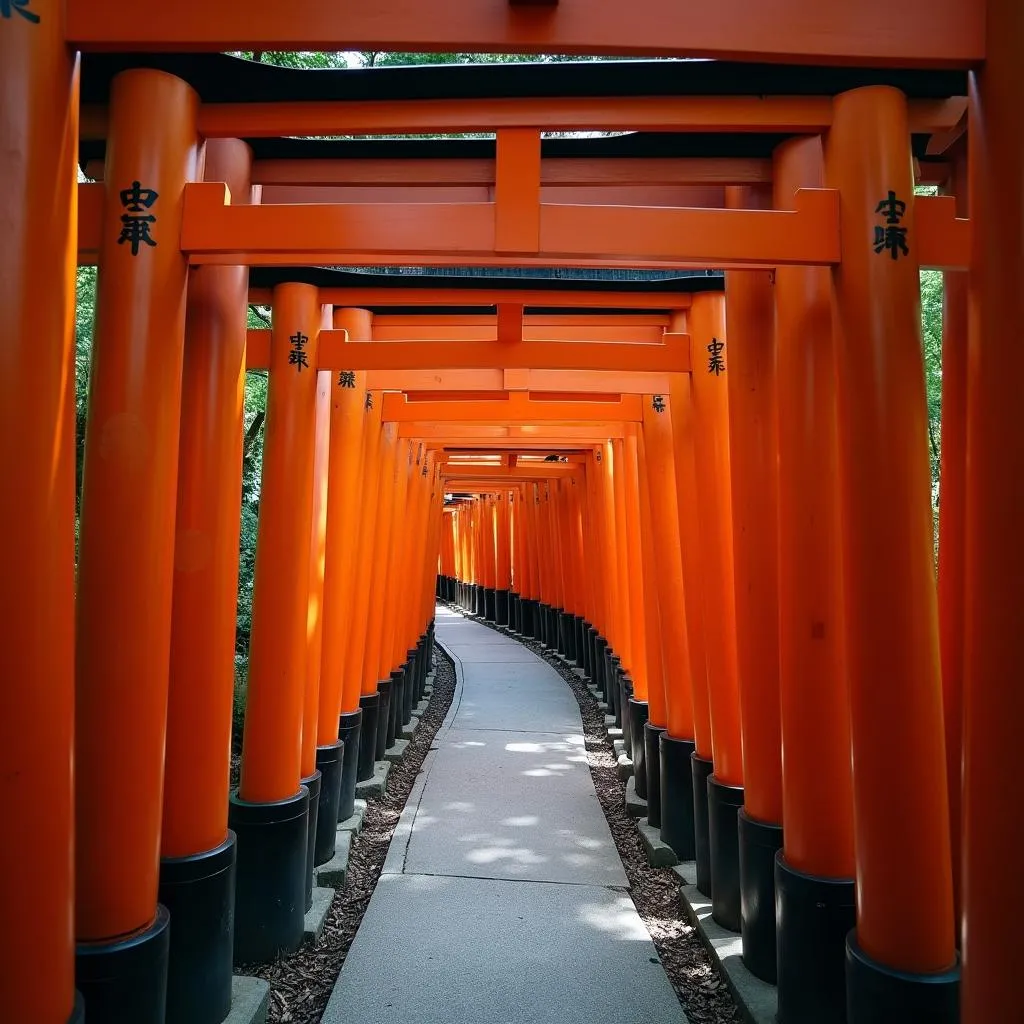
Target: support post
(126,562)
(270,811)
(197,851)
(814,874)
(994,701)
(901,960)
(38,211)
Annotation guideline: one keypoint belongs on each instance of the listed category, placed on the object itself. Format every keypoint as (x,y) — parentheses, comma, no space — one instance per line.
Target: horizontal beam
(337,353)
(546,438)
(215,232)
(463,234)
(488,297)
(522,472)
(877,32)
(776,114)
(518,409)
(560,172)
(540,381)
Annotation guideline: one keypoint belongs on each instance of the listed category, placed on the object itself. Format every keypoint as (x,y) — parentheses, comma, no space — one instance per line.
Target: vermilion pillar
(636,703)
(684,429)
(355,660)
(901,813)
(675,743)
(38,211)
(339,718)
(753,453)
(712,364)
(197,867)
(814,873)
(126,547)
(952,523)
(270,811)
(311,776)
(654,630)
(503,582)
(994,701)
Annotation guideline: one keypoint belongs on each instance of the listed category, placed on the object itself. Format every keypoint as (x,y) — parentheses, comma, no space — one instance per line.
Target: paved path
(503,898)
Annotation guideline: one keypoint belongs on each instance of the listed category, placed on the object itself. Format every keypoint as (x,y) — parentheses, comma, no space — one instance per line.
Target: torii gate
(884,507)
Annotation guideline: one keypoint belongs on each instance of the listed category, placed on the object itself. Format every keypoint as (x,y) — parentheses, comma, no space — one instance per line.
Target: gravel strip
(301,984)
(694,975)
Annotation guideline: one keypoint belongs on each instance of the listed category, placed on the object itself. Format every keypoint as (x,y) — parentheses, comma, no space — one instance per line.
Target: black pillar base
(199,894)
(677,787)
(600,651)
(126,979)
(625,696)
(652,758)
(876,994)
(501,607)
(312,783)
(569,623)
(513,612)
(383,715)
(414,662)
(490,604)
(701,770)
(758,843)
(589,647)
(479,601)
(724,802)
(369,704)
(329,762)
(397,708)
(813,916)
(580,643)
(348,733)
(270,876)
(638,711)
(78,1013)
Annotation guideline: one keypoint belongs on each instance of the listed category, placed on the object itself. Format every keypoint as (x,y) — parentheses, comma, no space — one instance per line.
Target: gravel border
(700,987)
(301,984)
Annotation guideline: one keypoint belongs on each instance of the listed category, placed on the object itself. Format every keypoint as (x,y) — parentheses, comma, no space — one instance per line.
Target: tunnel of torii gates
(708,489)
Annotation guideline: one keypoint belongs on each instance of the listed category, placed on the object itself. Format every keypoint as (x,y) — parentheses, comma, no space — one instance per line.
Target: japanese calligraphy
(658,403)
(136,223)
(298,356)
(11,7)
(890,236)
(716,364)
(369,400)
(346,379)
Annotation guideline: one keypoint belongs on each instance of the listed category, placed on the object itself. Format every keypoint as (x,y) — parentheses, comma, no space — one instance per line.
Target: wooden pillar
(197,851)
(339,715)
(271,811)
(126,544)
(39,213)
(994,701)
(901,813)
(753,453)
(816,869)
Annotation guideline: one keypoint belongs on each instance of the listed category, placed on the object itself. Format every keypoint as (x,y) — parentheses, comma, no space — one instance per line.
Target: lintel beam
(518,409)
(934,33)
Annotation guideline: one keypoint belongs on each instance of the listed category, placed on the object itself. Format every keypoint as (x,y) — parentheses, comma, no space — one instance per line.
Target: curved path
(503,898)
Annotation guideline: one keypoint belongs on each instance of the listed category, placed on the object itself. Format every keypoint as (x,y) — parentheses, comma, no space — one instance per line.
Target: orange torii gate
(821,249)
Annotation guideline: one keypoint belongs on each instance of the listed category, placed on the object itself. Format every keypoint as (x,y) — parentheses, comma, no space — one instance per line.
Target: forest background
(256,381)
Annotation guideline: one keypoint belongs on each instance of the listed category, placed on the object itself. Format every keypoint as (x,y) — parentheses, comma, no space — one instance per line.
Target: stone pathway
(503,898)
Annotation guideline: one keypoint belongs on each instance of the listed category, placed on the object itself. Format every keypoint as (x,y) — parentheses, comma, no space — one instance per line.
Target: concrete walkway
(503,898)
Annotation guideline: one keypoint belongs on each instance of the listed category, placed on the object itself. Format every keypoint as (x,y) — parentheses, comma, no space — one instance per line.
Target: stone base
(609,721)
(250,1000)
(636,806)
(659,854)
(758,1001)
(625,765)
(355,823)
(395,753)
(409,731)
(316,916)
(335,871)
(374,785)
(614,733)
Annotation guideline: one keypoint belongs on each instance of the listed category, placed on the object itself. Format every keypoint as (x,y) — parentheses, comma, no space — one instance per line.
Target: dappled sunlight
(524,822)
(620,920)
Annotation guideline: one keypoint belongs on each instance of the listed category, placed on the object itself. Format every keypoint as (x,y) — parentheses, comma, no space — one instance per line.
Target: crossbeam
(581,382)
(337,353)
(517,409)
(932,33)
(525,438)
(521,473)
